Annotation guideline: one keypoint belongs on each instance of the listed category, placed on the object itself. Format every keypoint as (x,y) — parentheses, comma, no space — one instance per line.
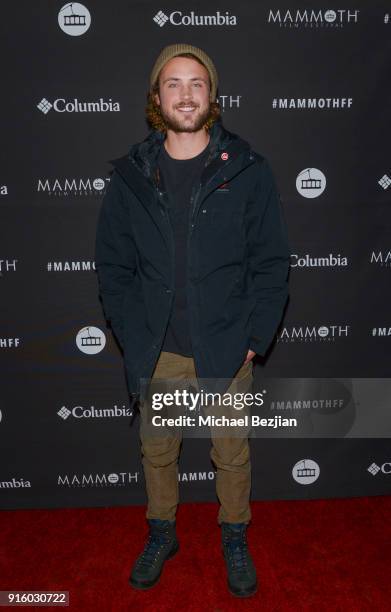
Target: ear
(156,99)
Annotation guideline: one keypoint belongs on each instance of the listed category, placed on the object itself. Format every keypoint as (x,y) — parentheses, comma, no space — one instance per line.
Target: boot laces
(155,542)
(237,550)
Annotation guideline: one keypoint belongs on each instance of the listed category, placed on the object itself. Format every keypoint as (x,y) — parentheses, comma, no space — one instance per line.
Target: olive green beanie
(172,51)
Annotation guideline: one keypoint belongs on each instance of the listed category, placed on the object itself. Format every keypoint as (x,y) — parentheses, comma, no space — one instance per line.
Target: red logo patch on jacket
(223,187)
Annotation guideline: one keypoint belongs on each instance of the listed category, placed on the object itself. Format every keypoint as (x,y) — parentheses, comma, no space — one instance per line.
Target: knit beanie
(172,51)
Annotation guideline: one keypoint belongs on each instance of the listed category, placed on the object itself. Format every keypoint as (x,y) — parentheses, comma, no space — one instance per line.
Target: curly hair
(153,113)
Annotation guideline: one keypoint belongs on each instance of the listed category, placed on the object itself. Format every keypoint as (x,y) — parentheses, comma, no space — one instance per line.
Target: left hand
(250,356)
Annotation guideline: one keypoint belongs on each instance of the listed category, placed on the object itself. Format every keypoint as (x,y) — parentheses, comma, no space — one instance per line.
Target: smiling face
(183,96)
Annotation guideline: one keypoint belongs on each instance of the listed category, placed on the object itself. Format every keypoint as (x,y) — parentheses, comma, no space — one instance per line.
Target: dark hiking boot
(161,544)
(242,577)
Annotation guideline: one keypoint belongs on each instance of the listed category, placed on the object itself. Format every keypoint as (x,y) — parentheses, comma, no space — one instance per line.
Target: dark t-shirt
(179,176)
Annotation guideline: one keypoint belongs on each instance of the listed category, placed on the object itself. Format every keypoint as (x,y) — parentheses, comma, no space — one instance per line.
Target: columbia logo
(160,18)
(64,413)
(44,106)
(373,469)
(385,181)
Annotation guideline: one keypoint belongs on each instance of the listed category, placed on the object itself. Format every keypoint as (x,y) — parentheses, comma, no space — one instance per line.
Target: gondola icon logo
(330,16)
(74,18)
(311,182)
(90,340)
(305,471)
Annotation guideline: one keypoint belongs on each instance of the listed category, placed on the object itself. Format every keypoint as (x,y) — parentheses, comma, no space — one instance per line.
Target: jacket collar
(145,154)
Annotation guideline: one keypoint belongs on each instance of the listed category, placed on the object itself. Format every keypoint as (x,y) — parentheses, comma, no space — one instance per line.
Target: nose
(186,91)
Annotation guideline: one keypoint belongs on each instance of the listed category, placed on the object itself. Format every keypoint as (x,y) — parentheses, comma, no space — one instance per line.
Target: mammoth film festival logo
(74,19)
(305,471)
(90,340)
(311,182)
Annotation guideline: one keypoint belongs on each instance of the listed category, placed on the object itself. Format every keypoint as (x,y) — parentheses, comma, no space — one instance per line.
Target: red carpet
(310,556)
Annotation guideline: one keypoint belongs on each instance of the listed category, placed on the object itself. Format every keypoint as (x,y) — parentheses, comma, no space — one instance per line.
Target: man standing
(192,258)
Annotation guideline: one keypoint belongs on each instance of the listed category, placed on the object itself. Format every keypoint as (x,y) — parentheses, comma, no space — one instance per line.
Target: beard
(187,123)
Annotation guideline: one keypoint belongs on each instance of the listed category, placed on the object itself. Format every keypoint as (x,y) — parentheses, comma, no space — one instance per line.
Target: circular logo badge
(224,156)
(305,471)
(74,18)
(311,182)
(90,340)
(98,184)
(330,16)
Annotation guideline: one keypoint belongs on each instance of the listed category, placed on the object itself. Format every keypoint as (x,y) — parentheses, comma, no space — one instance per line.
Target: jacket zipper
(171,289)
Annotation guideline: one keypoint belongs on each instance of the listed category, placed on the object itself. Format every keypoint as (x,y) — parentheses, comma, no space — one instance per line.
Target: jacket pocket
(225,216)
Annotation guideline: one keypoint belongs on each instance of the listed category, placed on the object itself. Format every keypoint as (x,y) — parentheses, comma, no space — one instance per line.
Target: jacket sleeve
(115,254)
(269,259)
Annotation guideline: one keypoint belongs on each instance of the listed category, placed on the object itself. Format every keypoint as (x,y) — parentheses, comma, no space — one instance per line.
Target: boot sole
(242,593)
(248,593)
(147,585)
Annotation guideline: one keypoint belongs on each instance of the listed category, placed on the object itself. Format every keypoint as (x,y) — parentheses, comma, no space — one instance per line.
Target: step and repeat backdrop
(309,87)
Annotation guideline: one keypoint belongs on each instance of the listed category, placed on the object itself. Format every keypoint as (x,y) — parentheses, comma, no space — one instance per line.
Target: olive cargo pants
(230,455)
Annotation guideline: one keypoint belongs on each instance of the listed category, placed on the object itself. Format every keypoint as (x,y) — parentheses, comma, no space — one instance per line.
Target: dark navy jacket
(238,257)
